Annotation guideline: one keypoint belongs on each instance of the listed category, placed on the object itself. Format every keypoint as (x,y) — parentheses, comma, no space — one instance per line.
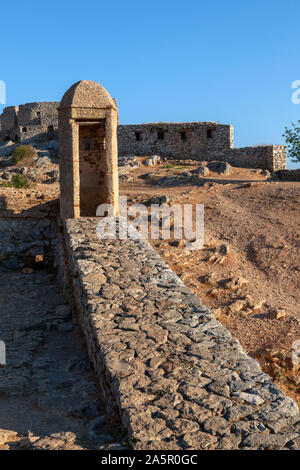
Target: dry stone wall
(199,141)
(175,375)
(288,175)
(267,157)
(22,239)
(19,123)
(191,140)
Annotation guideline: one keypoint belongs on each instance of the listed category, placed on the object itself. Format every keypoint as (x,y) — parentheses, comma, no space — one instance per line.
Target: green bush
(292,138)
(17,181)
(24,154)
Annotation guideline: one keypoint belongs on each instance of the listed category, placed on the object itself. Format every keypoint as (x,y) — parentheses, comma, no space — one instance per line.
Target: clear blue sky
(230,61)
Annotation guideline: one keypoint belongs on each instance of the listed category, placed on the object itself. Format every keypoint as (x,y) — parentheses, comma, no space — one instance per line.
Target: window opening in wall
(183,135)
(87,144)
(210,133)
(38,113)
(160,135)
(24,129)
(50,128)
(138,136)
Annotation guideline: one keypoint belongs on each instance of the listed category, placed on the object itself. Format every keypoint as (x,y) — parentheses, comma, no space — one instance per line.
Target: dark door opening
(92,167)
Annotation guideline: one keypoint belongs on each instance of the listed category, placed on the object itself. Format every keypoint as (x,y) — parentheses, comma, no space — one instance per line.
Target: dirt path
(49,398)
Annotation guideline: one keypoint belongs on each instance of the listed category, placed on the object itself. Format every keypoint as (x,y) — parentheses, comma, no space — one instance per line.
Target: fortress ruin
(167,369)
(188,140)
(20,123)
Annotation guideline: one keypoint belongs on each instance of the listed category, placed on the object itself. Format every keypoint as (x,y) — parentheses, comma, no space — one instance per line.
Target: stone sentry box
(87,128)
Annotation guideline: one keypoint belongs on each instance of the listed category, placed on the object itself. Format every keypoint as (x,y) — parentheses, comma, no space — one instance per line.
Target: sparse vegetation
(175,166)
(24,155)
(17,181)
(292,138)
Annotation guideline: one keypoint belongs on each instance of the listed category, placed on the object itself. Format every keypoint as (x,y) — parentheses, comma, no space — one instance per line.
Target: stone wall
(268,157)
(173,373)
(28,228)
(197,141)
(191,140)
(18,123)
(288,175)
(37,114)
(22,239)
(8,119)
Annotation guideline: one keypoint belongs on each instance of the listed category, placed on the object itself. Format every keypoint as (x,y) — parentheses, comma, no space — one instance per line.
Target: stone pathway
(49,397)
(176,375)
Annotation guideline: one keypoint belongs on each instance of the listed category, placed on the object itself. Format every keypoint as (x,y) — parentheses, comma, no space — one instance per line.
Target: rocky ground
(249,270)
(49,397)
(42,168)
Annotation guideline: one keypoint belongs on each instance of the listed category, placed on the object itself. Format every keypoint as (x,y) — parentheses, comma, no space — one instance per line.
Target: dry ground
(248,272)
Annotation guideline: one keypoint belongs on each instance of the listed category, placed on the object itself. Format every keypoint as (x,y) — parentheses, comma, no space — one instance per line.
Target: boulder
(153,160)
(158,200)
(220,167)
(125,178)
(43,160)
(202,171)
(129,160)
(265,173)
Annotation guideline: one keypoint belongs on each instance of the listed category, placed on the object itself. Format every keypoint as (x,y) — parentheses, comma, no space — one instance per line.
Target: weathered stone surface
(48,390)
(217,426)
(220,167)
(174,374)
(267,441)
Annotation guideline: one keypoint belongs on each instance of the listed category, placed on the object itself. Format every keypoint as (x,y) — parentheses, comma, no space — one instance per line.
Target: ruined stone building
(19,123)
(188,140)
